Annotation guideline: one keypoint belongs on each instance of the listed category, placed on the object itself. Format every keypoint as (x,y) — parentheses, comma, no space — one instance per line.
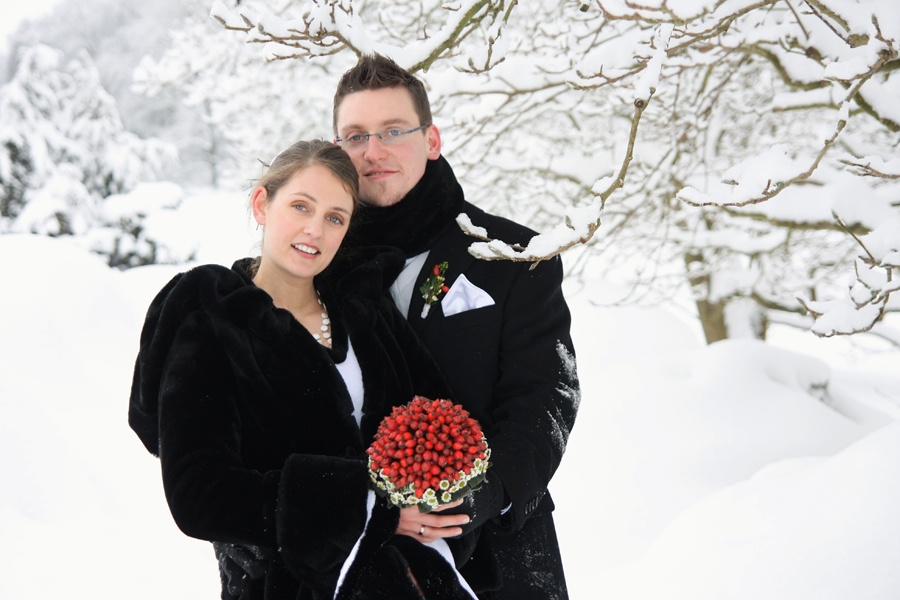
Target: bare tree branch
(492,249)
(771,191)
(310,36)
(866,170)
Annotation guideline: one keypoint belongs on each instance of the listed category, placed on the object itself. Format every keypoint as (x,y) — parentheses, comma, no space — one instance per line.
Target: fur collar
(352,288)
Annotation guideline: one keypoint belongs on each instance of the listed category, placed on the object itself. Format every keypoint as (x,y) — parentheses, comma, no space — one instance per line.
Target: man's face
(387,172)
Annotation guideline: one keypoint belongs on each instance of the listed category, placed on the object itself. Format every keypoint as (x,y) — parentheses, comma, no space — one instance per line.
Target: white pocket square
(464,295)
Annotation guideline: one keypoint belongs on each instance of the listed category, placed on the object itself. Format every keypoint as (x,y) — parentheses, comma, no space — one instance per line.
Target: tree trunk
(712,314)
(712,317)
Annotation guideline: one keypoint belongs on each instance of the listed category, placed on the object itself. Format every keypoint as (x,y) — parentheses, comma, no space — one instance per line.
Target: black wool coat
(511,365)
(259,450)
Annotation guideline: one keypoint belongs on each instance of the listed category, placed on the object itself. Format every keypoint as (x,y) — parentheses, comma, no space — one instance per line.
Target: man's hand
(428,527)
(486,503)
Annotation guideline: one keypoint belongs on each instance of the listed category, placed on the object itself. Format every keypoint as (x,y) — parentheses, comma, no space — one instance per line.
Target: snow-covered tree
(117,35)
(739,151)
(63,150)
(248,109)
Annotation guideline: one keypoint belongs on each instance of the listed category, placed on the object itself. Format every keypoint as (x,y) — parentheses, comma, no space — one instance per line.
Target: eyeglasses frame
(380,135)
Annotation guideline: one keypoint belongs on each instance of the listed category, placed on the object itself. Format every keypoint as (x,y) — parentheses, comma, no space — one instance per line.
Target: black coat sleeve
(536,395)
(312,508)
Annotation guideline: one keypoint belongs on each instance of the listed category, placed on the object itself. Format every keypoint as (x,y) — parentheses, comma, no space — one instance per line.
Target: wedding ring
(422,530)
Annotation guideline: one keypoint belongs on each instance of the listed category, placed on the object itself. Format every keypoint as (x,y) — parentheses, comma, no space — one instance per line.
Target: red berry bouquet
(427,453)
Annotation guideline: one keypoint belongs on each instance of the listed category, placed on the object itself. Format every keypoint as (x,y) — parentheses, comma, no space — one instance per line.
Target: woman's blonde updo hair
(305,154)
(302,155)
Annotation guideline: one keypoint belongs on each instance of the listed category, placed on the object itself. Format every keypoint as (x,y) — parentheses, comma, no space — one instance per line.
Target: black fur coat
(259,450)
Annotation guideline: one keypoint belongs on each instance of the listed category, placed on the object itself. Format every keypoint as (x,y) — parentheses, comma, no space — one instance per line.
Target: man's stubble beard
(370,200)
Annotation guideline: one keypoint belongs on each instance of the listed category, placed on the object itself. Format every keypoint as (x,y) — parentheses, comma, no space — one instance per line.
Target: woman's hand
(428,527)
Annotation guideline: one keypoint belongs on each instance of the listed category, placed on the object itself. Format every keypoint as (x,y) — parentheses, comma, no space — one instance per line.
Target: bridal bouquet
(427,453)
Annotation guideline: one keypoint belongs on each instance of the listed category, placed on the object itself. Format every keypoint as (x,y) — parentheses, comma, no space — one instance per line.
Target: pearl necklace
(325,338)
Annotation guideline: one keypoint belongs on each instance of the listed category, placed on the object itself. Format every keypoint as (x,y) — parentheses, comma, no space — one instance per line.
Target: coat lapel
(452,247)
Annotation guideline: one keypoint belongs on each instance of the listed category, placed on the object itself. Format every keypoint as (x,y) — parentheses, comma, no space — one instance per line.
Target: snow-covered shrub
(64,150)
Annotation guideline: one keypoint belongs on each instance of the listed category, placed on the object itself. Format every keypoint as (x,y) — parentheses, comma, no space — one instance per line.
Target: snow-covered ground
(742,470)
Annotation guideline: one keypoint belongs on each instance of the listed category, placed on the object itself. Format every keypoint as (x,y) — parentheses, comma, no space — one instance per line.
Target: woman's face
(305,222)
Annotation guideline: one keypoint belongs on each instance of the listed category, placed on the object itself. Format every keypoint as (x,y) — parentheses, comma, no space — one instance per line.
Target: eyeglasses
(391,135)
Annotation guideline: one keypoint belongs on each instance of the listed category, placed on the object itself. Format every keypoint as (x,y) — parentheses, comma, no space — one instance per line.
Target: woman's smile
(305,248)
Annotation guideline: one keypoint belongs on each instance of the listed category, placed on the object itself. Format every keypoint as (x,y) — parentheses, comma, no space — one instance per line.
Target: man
(500,333)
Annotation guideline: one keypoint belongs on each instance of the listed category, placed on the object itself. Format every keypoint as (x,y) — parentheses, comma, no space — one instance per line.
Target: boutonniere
(434,287)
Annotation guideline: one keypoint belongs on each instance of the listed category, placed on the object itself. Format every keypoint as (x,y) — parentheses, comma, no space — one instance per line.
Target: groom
(500,331)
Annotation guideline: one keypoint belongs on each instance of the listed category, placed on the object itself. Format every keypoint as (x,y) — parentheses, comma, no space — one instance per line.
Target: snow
(575,228)
(867,297)
(764,536)
(888,167)
(14,13)
(465,222)
(852,68)
(648,80)
(339,20)
(884,240)
(843,317)
(225,16)
(739,470)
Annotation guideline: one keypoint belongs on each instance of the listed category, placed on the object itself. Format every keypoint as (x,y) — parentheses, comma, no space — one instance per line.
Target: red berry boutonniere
(434,287)
(426,454)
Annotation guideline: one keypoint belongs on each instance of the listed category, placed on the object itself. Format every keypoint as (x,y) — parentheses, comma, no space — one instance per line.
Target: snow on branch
(765,176)
(874,166)
(580,222)
(329,26)
(877,277)
(693,27)
(580,225)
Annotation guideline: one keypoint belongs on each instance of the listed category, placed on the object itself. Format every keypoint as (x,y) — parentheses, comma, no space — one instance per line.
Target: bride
(260,387)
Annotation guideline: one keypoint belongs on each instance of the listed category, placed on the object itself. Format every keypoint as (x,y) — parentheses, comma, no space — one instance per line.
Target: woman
(260,387)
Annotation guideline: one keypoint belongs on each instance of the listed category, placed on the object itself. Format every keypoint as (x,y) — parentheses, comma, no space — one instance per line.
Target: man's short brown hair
(377,72)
